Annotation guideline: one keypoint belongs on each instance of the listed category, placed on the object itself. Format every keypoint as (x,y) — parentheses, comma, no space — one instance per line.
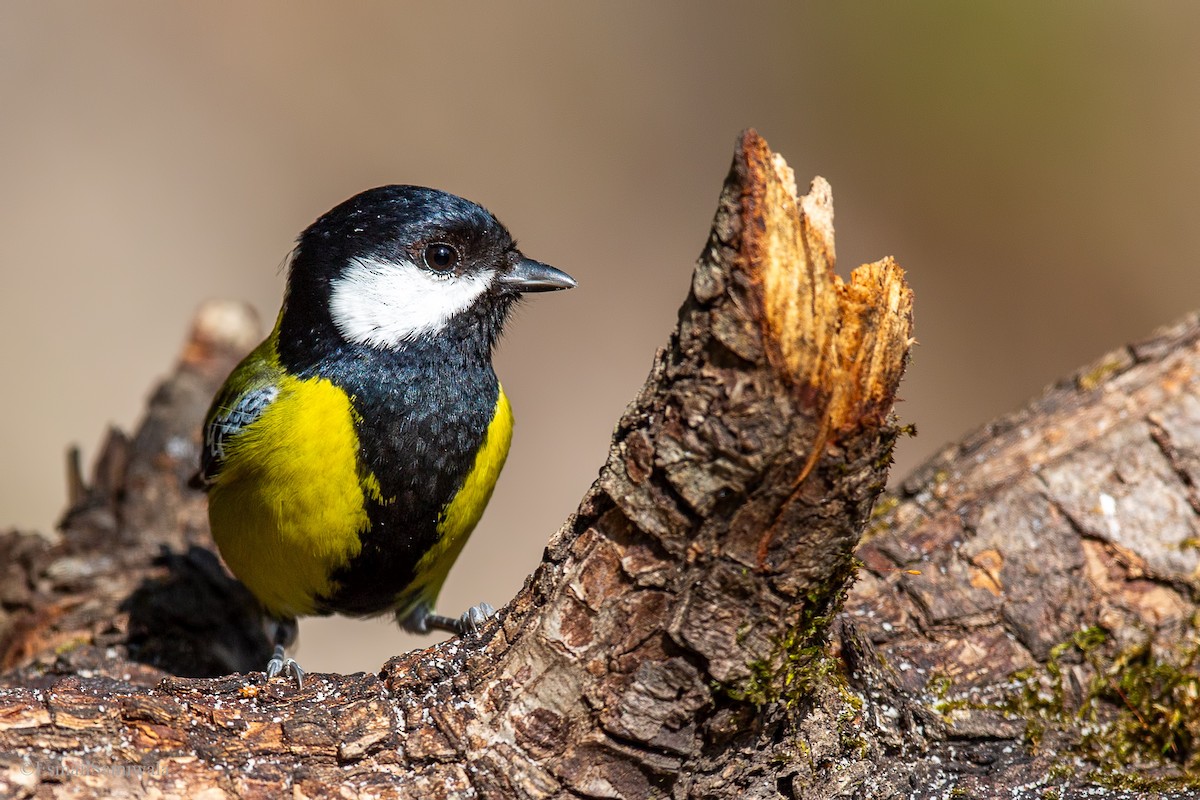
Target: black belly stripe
(423,414)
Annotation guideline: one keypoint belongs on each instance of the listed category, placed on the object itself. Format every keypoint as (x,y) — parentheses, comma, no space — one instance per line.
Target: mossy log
(695,629)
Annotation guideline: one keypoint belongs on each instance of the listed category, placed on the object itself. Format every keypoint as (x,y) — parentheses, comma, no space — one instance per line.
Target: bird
(350,455)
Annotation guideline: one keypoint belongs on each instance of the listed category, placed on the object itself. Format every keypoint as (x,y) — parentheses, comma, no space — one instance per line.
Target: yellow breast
(287,507)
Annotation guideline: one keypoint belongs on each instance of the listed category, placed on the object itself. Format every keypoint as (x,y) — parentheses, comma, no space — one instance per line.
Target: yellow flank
(463,512)
(287,507)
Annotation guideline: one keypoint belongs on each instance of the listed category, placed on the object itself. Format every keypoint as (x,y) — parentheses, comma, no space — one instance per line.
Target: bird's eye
(440,257)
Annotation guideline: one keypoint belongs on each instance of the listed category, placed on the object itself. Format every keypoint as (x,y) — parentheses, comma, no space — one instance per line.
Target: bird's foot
(422,620)
(281,664)
(470,620)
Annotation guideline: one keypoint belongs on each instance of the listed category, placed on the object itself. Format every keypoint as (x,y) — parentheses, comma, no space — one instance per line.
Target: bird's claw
(475,616)
(280,664)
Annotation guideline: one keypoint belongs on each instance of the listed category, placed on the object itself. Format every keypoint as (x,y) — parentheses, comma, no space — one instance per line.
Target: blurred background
(1034,167)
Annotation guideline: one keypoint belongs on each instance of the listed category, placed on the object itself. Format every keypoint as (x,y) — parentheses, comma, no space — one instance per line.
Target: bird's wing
(247,393)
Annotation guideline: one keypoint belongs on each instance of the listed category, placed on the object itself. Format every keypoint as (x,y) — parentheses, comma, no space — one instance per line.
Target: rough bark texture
(684,635)
(1036,585)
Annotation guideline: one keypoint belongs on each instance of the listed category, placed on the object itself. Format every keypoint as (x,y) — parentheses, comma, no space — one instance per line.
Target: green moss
(799,663)
(1160,709)
(71,645)
(884,506)
(939,687)
(1060,772)
(1139,711)
(1133,782)
(1099,374)
(881,516)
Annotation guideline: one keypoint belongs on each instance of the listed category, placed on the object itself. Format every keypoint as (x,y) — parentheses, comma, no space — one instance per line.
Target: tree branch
(676,638)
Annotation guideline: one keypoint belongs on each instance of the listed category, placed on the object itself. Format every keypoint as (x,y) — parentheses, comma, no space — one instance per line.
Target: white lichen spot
(1108,506)
(180,447)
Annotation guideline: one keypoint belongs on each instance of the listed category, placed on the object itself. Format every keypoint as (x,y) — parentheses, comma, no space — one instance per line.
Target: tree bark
(695,629)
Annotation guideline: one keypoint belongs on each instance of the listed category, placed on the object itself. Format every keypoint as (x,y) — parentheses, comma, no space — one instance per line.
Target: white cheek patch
(385,303)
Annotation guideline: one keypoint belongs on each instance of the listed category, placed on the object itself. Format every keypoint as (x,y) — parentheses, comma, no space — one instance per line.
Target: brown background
(1033,166)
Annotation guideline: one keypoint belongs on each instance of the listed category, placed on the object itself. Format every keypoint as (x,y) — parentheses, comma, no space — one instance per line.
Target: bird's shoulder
(248,391)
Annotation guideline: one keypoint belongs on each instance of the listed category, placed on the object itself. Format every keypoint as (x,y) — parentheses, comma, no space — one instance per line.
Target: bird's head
(395,264)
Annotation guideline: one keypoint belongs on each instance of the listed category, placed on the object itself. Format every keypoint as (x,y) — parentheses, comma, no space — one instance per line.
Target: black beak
(528,275)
